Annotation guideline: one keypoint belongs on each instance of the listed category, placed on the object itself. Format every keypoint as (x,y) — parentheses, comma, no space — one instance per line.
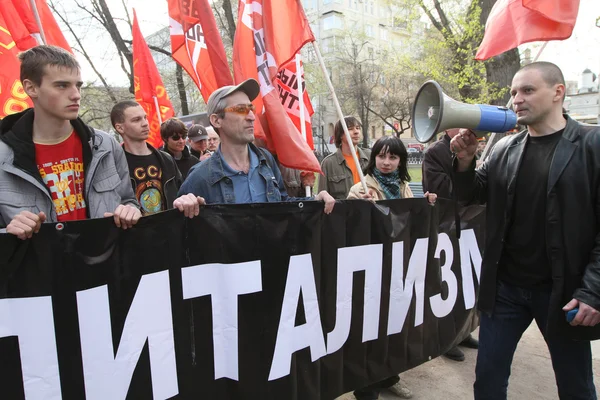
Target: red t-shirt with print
(61,169)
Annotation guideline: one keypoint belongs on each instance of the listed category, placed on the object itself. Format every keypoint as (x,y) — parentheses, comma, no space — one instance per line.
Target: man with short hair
(238,172)
(53,167)
(213,139)
(339,169)
(542,251)
(174,133)
(154,175)
(198,141)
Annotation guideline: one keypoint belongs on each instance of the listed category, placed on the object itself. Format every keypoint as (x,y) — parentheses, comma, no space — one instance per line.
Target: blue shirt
(217,182)
(250,187)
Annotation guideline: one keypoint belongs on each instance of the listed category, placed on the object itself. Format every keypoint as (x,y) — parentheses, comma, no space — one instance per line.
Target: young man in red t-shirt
(54,167)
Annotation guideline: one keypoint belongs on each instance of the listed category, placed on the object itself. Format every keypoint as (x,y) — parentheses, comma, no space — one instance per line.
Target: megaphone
(434,111)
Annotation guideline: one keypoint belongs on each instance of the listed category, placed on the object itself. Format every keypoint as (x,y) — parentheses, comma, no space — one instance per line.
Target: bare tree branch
(84,52)
(153,48)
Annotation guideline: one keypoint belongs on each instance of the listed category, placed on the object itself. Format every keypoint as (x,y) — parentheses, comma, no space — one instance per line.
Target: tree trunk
(500,69)
(181,90)
(230,19)
(112,29)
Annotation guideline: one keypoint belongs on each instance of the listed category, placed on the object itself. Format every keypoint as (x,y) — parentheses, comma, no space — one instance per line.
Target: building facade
(383,29)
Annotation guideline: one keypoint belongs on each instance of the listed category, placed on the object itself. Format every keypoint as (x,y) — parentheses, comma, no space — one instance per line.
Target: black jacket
(171,177)
(437,168)
(572,219)
(186,162)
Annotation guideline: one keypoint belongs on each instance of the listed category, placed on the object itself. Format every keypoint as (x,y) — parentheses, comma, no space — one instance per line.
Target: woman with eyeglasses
(174,134)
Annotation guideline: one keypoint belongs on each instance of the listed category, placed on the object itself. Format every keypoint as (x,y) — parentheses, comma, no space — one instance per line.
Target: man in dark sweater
(437,178)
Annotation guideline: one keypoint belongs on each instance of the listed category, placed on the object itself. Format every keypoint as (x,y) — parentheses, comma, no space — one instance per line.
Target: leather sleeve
(589,293)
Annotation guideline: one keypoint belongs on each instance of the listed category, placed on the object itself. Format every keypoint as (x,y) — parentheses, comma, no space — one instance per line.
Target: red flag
(514,22)
(149,89)
(287,85)
(196,45)
(13,98)
(23,27)
(268,35)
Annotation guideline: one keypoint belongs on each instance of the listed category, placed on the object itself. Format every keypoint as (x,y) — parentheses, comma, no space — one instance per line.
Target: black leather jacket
(572,219)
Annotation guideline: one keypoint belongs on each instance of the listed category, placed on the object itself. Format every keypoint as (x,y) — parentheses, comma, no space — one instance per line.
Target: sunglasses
(242,109)
(177,137)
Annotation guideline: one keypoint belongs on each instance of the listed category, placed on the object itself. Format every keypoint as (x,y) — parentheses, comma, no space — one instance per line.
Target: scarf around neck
(390,183)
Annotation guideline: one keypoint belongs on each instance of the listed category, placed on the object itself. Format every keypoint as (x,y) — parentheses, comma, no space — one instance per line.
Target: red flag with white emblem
(268,35)
(287,85)
(196,45)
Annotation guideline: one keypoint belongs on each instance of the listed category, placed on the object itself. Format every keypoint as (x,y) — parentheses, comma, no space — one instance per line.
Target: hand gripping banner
(242,302)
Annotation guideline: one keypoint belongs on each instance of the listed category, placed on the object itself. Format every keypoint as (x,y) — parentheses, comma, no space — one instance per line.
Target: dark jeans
(371,392)
(500,333)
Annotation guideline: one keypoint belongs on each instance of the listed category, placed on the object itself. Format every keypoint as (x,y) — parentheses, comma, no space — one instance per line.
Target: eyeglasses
(242,109)
(177,137)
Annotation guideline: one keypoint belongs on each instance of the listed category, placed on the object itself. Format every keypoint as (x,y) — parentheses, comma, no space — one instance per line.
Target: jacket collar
(562,155)
(565,148)
(340,156)
(185,153)
(19,137)
(216,172)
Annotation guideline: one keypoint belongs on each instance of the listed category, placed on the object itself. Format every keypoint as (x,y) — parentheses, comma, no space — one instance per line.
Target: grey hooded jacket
(21,187)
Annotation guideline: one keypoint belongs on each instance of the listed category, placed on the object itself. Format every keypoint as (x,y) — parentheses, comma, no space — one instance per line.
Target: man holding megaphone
(542,252)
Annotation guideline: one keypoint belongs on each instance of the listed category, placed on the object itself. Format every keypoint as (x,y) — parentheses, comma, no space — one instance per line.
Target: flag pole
(488,145)
(301,107)
(340,114)
(38,21)
(157,110)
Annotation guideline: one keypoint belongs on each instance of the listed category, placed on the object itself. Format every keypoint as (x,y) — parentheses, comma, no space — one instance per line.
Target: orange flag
(13,98)
(196,45)
(149,89)
(514,22)
(22,24)
(287,85)
(268,35)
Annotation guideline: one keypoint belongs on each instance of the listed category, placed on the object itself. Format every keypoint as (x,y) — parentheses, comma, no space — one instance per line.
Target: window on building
(332,22)
(369,30)
(383,33)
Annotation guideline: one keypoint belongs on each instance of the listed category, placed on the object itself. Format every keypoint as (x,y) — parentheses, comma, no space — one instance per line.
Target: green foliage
(448,49)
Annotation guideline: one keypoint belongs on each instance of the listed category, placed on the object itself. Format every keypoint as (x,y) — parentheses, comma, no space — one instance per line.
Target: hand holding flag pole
(340,114)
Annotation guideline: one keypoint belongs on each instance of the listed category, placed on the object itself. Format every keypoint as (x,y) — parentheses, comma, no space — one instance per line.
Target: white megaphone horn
(434,111)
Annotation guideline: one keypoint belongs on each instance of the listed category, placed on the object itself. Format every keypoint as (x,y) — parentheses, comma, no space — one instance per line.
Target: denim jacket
(208,179)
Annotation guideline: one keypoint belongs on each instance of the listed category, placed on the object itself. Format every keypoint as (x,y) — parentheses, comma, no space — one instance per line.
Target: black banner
(256,301)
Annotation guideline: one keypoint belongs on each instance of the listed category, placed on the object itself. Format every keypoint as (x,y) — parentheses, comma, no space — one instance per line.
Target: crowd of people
(541,188)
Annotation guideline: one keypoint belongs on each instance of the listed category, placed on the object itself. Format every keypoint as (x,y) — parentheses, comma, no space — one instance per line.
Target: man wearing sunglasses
(238,172)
